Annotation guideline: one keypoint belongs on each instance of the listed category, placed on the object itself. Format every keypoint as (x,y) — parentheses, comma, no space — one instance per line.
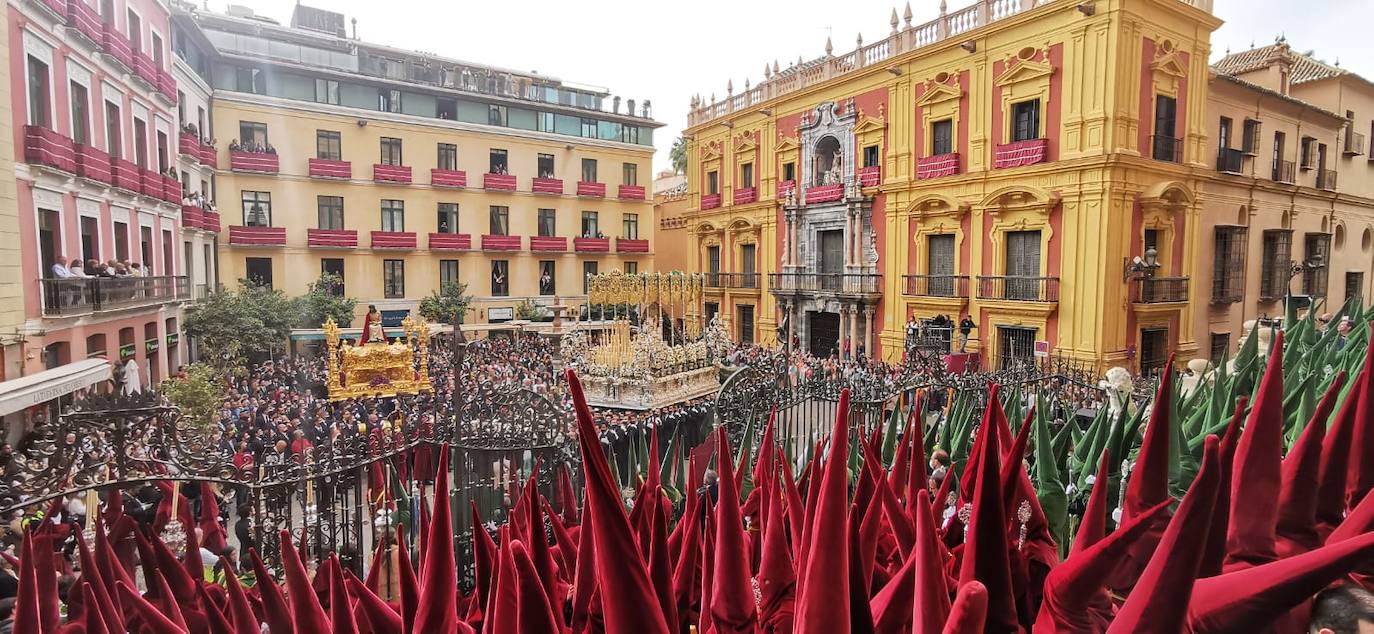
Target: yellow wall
(11,289)
(292,131)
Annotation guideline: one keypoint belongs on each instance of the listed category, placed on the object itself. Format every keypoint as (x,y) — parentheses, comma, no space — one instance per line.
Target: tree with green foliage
(448,303)
(325,299)
(197,394)
(230,325)
(678,155)
(530,311)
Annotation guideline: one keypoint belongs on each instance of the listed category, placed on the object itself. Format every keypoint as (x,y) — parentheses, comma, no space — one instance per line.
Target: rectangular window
(588,170)
(259,271)
(548,278)
(257,209)
(335,267)
(746,324)
(1282,170)
(1316,249)
(1025,120)
(1228,264)
(1166,146)
(588,270)
(121,240)
(1306,157)
(629,173)
(545,164)
(748,259)
(789,171)
(942,137)
(713,259)
(448,272)
(500,220)
(710,309)
(1224,133)
(548,223)
(1354,284)
(497,160)
(1220,346)
(448,157)
(871,156)
(141,143)
(389,101)
(632,268)
(630,230)
(163,152)
(496,115)
(446,108)
(1276,263)
(545,122)
(589,128)
(328,145)
(135,32)
(500,281)
(746,176)
(90,238)
(448,218)
(393,215)
(81,114)
(114,140)
(940,265)
(331,212)
(394,279)
(253,136)
(1250,139)
(327,91)
(712,182)
(629,134)
(391,151)
(589,225)
(1154,350)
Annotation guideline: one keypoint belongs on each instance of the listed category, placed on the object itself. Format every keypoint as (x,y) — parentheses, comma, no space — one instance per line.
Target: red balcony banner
(257,236)
(391,173)
(937,166)
(253,162)
(46,147)
(393,239)
(546,186)
(503,182)
(824,193)
(93,163)
(171,190)
(325,168)
(592,245)
(710,201)
(209,155)
(125,174)
(189,146)
(448,178)
(500,243)
(192,217)
(450,241)
(630,192)
(786,188)
(627,245)
(85,19)
(746,196)
(1021,153)
(210,220)
(332,238)
(591,190)
(116,45)
(870,176)
(554,243)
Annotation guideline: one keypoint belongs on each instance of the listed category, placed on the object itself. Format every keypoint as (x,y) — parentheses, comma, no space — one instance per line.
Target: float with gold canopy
(376,367)
(653,356)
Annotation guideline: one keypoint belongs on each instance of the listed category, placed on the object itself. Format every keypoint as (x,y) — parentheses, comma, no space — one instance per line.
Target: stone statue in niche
(834,176)
(828,162)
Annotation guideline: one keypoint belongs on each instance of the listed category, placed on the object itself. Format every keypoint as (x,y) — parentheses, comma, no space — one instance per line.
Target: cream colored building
(11,268)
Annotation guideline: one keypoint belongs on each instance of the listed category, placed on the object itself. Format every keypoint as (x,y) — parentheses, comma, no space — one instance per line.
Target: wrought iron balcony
(1285,172)
(631,245)
(710,201)
(937,165)
(937,285)
(870,176)
(450,241)
(81,295)
(1230,160)
(1161,290)
(241,161)
(732,280)
(332,238)
(1354,143)
(838,283)
(630,192)
(1018,288)
(591,189)
(1166,148)
(327,168)
(1326,179)
(448,178)
(1019,153)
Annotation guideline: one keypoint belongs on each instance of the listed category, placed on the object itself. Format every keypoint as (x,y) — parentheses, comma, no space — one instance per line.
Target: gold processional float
(378,368)
(631,366)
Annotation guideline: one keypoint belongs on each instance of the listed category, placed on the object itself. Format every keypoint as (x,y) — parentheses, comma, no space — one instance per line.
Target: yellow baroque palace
(1055,170)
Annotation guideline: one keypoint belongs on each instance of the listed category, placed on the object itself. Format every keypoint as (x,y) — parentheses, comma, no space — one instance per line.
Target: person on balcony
(966,327)
(77,269)
(59,268)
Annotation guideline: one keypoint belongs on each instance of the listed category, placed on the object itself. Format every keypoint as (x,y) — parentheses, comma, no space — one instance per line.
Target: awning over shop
(36,389)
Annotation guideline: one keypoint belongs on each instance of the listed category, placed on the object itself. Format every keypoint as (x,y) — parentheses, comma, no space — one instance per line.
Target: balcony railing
(144,70)
(257,236)
(1161,290)
(591,189)
(733,280)
(1284,172)
(92,163)
(209,156)
(75,296)
(326,168)
(1019,153)
(332,238)
(448,178)
(870,176)
(552,244)
(745,195)
(1166,148)
(1326,179)
(547,186)
(393,240)
(1019,288)
(500,243)
(592,245)
(937,285)
(631,245)
(188,145)
(501,182)
(399,174)
(842,283)
(171,190)
(84,20)
(1230,160)
(450,241)
(124,174)
(824,193)
(46,147)
(630,192)
(253,161)
(937,166)
(116,46)
(1354,143)
(786,189)
(710,201)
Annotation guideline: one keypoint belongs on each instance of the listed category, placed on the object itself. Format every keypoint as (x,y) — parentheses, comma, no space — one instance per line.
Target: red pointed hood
(484,558)
(152,619)
(567,497)
(822,607)
(1255,476)
(210,528)
(340,605)
(685,582)
(985,557)
(1296,528)
(94,616)
(1076,597)
(169,607)
(503,614)
(1226,452)
(90,571)
(564,542)
(1251,599)
(45,575)
(380,616)
(777,580)
(305,606)
(931,606)
(436,611)
(240,610)
(274,607)
(1359,521)
(620,570)
(969,611)
(536,614)
(1094,525)
(1360,478)
(28,603)
(1337,451)
(1159,601)
(1148,484)
(410,587)
(732,605)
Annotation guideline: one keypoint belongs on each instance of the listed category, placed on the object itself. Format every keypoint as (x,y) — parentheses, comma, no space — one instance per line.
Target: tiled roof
(1304,67)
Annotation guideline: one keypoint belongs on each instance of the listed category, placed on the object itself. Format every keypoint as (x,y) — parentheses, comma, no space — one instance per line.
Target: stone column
(844,328)
(870,337)
(855,228)
(853,330)
(787,237)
